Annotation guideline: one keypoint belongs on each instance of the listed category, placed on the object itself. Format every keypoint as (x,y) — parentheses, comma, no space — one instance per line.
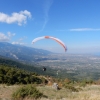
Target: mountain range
(22,53)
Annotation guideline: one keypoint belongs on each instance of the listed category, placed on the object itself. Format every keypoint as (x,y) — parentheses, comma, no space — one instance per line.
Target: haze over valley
(62,64)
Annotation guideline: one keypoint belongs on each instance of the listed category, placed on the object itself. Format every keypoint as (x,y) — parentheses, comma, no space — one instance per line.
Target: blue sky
(75,22)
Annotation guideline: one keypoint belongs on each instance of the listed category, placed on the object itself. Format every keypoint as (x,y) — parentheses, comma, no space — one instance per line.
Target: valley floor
(91,92)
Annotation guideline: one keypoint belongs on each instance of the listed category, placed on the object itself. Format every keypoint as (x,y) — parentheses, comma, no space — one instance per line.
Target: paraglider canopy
(53,38)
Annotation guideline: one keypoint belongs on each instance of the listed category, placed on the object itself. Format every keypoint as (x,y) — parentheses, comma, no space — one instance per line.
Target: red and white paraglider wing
(49,37)
(60,42)
(39,38)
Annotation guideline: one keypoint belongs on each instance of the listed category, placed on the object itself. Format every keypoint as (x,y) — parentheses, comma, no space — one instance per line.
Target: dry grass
(88,93)
(91,92)
(6,91)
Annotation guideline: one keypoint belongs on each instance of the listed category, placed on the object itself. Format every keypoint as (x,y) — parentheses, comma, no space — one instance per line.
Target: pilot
(44,69)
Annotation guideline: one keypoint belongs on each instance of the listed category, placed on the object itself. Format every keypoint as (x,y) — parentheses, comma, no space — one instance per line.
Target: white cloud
(20,41)
(5,38)
(10,34)
(85,29)
(80,29)
(19,18)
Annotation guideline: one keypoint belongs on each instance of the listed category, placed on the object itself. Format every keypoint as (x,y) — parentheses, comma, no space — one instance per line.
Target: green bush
(73,89)
(83,84)
(16,76)
(28,91)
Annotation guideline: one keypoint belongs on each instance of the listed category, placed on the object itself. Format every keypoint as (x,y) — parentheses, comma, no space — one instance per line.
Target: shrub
(27,92)
(71,88)
(83,84)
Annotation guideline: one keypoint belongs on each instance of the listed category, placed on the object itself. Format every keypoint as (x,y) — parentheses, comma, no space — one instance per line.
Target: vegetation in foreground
(12,76)
(27,91)
(17,86)
(90,92)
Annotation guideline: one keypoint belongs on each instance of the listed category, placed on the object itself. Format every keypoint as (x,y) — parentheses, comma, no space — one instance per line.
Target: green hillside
(30,68)
(10,75)
(79,74)
(34,68)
